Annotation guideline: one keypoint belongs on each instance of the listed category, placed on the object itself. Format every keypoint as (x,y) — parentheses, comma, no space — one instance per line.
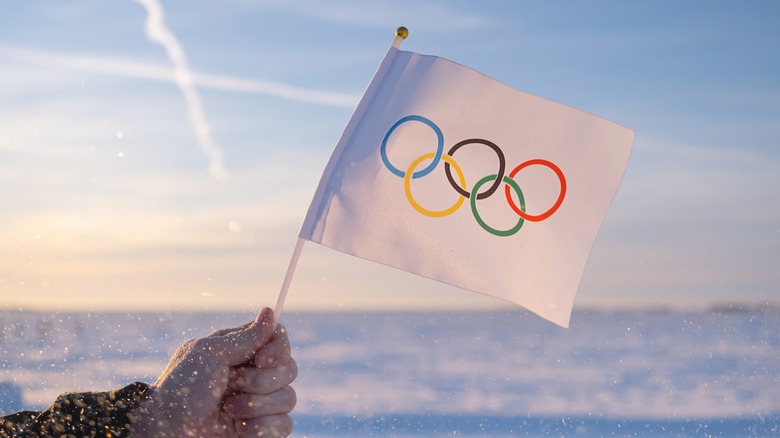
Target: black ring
(499,175)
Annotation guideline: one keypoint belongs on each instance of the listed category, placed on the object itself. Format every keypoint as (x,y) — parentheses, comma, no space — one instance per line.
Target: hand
(233,383)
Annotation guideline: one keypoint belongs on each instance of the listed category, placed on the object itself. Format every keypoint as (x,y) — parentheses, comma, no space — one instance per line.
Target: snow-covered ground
(645,373)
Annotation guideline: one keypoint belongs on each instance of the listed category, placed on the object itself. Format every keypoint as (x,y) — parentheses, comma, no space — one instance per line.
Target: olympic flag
(449,174)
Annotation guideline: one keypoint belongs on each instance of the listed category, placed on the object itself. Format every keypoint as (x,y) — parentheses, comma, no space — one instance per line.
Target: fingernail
(266,316)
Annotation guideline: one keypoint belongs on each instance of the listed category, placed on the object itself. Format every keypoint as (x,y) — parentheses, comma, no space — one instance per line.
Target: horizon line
(715,306)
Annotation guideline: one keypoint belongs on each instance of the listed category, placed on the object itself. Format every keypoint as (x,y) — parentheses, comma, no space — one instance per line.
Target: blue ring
(436,158)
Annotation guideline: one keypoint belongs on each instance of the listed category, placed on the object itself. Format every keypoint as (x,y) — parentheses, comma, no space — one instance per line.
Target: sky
(136,176)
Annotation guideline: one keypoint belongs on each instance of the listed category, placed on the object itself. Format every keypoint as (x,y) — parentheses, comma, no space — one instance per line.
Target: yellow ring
(408,186)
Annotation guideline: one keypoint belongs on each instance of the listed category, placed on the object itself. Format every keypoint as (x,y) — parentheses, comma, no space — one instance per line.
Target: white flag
(449,174)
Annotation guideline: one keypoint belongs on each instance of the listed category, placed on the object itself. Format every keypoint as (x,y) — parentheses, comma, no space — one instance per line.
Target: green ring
(482,223)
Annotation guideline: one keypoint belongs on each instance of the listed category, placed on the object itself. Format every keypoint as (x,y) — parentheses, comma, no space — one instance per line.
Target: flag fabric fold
(449,174)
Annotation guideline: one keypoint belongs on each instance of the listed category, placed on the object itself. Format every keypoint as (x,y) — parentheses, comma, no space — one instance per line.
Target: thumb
(239,346)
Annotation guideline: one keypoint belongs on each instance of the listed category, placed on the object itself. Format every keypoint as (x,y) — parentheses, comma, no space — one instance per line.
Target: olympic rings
(460,186)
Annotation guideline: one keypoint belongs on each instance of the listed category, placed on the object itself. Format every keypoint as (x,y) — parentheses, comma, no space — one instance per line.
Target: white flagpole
(288,278)
(400,34)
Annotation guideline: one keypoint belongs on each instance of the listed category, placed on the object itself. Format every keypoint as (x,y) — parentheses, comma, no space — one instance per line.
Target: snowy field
(499,374)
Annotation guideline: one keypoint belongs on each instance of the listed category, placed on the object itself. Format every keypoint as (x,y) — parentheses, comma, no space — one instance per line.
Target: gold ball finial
(402,32)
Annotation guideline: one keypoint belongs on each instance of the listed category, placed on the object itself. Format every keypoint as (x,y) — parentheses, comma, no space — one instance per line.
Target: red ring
(548,213)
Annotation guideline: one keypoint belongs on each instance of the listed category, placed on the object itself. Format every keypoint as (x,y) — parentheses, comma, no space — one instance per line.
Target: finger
(223,332)
(239,346)
(245,406)
(262,380)
(272,426)
(276,352)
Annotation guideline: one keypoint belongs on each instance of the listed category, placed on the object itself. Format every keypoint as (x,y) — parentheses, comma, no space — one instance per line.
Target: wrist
(145,417)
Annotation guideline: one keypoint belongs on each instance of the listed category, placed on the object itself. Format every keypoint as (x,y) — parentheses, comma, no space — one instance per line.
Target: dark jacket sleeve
(86,414)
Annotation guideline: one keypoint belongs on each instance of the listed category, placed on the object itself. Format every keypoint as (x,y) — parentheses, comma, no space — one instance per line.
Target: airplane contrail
(158,33)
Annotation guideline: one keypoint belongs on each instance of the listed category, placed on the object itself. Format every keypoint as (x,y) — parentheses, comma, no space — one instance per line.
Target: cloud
(114,66)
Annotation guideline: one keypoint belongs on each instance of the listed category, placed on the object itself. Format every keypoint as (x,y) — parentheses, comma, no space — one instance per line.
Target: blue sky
(108,201)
